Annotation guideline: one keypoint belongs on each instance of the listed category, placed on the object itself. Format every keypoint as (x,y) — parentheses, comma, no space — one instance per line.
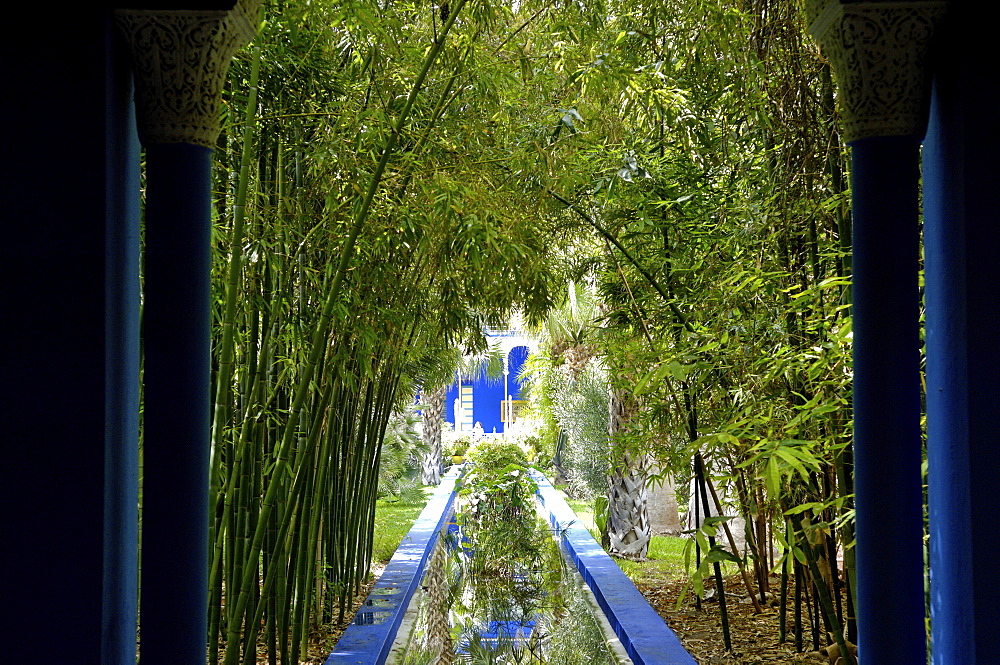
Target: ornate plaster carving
(179,59)
(878,51)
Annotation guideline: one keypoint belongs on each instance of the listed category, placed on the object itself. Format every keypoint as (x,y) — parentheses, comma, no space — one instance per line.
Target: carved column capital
(179,59)
(878,51)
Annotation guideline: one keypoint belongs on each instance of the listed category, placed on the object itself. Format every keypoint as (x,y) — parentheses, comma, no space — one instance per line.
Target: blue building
(494,402)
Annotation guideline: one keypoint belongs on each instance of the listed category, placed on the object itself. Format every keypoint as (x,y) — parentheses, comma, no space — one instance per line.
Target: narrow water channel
(498,589)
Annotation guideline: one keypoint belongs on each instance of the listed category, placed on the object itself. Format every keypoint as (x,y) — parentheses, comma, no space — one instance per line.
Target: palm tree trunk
(430,469)
(438,630)
(628,524)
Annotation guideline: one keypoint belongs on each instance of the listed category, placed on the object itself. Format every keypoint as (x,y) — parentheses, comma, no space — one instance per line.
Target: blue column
(121,365)
(962,241)
(887,443)
(176,345)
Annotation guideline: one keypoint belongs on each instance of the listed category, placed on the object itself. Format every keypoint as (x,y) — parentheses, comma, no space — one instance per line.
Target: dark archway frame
(71,178)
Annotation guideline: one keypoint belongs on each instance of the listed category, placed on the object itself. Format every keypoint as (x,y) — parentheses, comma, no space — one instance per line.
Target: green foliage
(399,462)
(492,457)
(497,513)
(601,514)
(580,405)
(503,497)
(504,546)
(531,444)
(677,164)
(710,167)
(370,246)
(460,445)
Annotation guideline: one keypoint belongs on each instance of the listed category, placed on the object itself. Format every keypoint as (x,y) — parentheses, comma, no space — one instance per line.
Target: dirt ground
(754,636)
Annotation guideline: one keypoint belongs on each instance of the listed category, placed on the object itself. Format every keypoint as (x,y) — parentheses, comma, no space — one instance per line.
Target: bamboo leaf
(772,478)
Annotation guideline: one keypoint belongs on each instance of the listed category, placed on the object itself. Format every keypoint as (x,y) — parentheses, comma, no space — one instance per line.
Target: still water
(502,593)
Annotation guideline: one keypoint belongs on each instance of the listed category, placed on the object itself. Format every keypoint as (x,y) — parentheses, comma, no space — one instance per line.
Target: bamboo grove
(348,274)
(721,274)
(393,177)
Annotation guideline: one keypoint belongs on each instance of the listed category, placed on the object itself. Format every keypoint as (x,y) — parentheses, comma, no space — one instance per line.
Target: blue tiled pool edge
(646,637)
(369,643)
(642,632)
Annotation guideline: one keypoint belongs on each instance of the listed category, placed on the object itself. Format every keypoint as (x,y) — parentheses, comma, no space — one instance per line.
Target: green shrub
(399,463)
(460,446)
(492,457)
(532,444)
(580,405)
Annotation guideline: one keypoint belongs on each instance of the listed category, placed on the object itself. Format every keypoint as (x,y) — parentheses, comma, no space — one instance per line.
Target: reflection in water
(379,602)
(498,590)
(372,618)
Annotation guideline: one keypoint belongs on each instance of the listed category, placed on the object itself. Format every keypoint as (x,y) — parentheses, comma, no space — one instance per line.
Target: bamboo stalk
(823,593)
(732,543)
(783,601)
(227,346)
(700,482)
(798,606)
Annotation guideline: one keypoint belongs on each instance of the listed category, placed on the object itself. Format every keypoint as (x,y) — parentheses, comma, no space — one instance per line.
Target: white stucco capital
(878,51)
(179,60)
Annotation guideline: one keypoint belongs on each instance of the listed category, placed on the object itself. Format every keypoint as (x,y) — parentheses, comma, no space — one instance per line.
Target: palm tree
(570,327)
(432,413)
(628,529)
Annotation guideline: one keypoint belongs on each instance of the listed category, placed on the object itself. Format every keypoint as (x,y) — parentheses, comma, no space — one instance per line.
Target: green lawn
(666,559)
(393,520)
(583,509)
(666,553)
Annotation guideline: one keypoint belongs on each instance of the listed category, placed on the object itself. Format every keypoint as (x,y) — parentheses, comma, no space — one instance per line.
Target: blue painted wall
(488,393)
